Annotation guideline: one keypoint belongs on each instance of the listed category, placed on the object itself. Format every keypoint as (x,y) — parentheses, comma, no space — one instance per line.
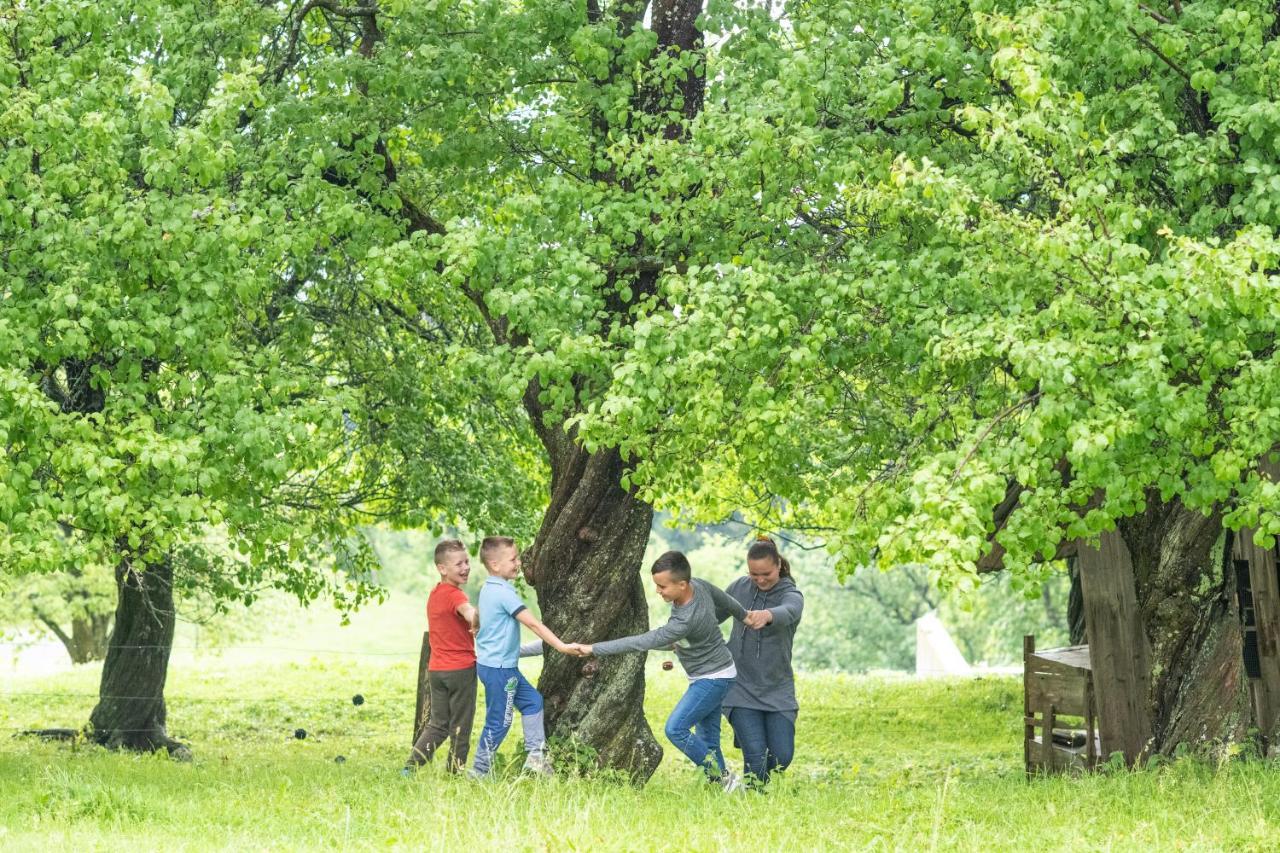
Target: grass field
(883,764)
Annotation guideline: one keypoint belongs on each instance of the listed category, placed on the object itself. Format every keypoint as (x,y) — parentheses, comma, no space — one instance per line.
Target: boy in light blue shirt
(497,655)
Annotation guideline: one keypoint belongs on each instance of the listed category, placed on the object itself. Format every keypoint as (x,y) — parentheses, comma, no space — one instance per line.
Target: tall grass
(882,764)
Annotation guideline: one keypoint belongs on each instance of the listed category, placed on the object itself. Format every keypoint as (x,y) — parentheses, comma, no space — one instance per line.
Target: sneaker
(731,782)
(537,763)
(477,775)
(406,772)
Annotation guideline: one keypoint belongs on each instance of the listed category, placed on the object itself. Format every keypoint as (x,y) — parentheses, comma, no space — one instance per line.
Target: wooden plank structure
(1060,716)
(422,710)
(1112,674)
(1257,578)
(1118,646)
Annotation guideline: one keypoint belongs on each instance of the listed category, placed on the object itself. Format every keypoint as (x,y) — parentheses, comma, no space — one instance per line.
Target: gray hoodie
(694,628)
(765,681)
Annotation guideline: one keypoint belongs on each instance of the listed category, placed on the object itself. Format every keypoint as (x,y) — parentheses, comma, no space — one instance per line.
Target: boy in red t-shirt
(451,670)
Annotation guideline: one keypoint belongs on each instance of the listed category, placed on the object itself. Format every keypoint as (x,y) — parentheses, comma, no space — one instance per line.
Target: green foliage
(974,243)
(896,262)
(192,350)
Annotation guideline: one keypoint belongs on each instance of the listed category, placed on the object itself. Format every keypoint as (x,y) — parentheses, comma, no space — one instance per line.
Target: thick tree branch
(56,629)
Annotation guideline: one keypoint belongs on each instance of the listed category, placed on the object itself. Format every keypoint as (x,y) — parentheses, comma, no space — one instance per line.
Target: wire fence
(294,720)
(318,709)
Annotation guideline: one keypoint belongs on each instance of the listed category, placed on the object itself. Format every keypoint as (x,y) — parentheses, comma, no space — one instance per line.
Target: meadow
(884,763)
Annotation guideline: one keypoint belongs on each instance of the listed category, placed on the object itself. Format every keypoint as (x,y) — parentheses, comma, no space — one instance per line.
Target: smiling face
(764,572)
(505,563)
(669,589)
(455,568)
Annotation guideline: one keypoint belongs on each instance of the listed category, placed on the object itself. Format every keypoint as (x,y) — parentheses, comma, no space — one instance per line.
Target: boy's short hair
(674,562)
(491,545)
(447,547)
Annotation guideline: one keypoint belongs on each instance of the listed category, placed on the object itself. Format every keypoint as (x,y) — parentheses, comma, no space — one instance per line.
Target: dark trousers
(767,739)
(453,708)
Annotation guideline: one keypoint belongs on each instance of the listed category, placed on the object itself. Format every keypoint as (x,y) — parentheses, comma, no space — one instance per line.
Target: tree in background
(75,606)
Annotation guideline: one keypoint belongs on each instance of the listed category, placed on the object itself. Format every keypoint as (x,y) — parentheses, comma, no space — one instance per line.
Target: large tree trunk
(130,713)
(1185,590)
(1176,563)
(585,565)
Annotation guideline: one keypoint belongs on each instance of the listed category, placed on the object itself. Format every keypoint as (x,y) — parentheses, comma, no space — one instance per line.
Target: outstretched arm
(726,605)
(466,611)
(548,636)
(658,638)
(788,611)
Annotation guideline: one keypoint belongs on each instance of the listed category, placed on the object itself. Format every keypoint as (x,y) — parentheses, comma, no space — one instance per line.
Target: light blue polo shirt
(498,640)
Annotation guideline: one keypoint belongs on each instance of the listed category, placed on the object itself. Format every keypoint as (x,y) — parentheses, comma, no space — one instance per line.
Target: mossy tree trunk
(1185,593)
(585,565)
(131,713)
(1185,658)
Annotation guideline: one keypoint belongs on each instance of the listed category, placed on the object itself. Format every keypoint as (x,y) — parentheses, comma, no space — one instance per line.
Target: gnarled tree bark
(1187,607)
(1174,674)
(130,713)
(1178,570)
(584,565)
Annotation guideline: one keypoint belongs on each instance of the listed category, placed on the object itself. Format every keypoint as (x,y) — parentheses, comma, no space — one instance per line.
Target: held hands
(757,619)
(579,650)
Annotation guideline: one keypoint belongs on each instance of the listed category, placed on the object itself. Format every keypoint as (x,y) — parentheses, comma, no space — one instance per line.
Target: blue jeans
(767,738)
(694,724)
(505,690)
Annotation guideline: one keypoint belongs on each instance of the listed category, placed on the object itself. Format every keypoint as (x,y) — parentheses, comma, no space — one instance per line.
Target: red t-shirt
(452,646)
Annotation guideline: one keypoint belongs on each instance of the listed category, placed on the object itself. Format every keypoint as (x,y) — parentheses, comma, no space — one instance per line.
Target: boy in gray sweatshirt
(694,632)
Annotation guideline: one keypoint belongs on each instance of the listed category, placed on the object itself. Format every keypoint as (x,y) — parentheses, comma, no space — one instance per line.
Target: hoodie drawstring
(759,633)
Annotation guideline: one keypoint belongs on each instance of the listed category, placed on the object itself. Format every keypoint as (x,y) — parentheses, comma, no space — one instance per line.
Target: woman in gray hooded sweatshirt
(761,705)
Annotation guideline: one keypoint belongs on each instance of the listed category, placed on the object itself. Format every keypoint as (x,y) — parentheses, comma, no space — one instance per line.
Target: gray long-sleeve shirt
(694,628)
(765,681)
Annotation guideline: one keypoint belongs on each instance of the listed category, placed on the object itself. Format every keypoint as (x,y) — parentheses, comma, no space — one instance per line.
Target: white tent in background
(936,652)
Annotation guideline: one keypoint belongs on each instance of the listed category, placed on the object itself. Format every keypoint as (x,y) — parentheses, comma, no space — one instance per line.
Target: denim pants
(505,690)
(694,724)
(767,738)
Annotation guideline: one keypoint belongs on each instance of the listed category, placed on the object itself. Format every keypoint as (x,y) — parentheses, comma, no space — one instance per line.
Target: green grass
(883,764)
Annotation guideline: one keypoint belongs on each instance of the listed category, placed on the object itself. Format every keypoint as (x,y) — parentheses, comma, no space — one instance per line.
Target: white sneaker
(731,782)
(537,763)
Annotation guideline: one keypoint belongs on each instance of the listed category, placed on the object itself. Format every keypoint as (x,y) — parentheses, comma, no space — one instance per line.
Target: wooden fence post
(422,709)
